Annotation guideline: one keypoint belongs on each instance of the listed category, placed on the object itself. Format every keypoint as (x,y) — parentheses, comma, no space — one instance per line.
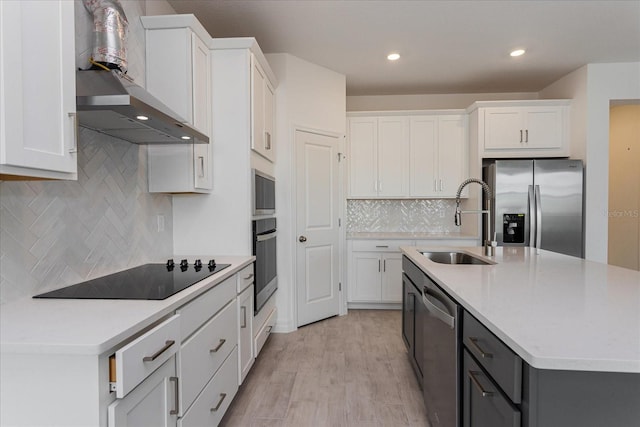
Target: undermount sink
(454,258)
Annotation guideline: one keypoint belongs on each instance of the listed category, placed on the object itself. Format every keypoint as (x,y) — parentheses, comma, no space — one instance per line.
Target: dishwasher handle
(437,312)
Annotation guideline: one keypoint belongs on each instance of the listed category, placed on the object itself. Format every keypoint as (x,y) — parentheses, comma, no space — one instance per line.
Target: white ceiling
(446,46)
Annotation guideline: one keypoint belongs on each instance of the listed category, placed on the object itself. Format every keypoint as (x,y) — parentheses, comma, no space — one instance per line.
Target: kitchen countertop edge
(34,316)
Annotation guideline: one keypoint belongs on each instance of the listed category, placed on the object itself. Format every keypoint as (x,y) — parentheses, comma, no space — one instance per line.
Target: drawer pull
(177,401)
(474,343)
(167,344)
(382,246)
(476,382)
(215,350)
(222,397)
(250,276)
(269,330)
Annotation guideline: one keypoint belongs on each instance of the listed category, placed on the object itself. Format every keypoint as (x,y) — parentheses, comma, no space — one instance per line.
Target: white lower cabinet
(375,271)
(213,402)
(245,333)
(152,403)
(392,277)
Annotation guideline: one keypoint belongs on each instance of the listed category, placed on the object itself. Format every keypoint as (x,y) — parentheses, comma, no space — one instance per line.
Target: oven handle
(266,236)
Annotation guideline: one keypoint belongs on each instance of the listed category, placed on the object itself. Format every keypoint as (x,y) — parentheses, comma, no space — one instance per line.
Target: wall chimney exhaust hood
(111,103)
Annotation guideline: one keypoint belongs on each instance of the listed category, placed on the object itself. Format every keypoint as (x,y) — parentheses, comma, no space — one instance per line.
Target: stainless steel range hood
(111,103)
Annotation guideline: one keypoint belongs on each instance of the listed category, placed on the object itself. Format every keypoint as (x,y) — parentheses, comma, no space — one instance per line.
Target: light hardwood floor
(344,371)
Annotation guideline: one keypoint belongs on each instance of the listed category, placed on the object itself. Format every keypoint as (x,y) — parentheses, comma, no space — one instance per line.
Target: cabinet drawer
(215,399)
(483,404)
(203,353)
(196,312)
(504,366)
(263,332)
(138,359)
(245,278)
(379,245)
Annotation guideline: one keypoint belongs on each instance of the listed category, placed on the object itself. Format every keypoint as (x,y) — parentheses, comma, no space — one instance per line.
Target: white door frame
(294,214)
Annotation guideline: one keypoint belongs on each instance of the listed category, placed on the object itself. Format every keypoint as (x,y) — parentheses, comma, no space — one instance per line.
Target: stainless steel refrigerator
(537,203)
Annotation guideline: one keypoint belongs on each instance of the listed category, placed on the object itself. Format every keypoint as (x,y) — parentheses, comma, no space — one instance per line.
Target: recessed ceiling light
(186,137)
(393,56)
(142,117)
(517,52)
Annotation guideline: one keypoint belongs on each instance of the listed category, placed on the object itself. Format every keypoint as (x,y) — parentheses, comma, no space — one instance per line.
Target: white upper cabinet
(400,156)
(262,112)
(393,156)
(38,123)
(537,128)
(179,74)
(378,156)
(438,154)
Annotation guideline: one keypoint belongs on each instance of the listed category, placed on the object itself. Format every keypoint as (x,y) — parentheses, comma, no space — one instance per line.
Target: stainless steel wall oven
(264,249)
(264,193)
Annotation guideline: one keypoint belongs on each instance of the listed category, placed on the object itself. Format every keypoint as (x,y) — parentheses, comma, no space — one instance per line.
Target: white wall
(311,97)
(604,83)
(573,86)
(427,102)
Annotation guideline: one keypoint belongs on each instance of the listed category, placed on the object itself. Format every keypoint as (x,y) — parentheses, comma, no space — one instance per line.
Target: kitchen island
(571,328)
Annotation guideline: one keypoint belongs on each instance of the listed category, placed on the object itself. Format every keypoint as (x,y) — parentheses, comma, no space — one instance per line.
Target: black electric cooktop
(146,282)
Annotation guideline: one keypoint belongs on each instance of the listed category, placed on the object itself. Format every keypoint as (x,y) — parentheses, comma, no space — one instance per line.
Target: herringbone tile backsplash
(56,233)
(405,216)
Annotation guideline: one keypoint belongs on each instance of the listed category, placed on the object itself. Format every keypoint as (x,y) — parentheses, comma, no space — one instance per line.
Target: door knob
(302,239)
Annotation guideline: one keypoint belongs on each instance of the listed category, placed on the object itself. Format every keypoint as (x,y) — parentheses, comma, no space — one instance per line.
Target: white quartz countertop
(90,326)
(389,235)
(553,310)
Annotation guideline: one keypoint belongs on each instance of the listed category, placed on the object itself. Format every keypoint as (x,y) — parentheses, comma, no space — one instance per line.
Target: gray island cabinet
(544,340)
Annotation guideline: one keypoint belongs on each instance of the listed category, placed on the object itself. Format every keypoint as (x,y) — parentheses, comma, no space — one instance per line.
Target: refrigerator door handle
(531,214)
(538,219)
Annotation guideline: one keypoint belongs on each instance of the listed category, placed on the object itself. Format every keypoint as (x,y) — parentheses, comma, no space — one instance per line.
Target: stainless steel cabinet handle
(177,401)
(222,397)
(74,116)
(215,350)
(244,317)
(520,136)
(382,246)
(267,140)
(157,354)
(384,265)
(250,276)
(201,162)
(302,239)
(473,341)
(441,186)
(378,266)
(526,136)
(474,379)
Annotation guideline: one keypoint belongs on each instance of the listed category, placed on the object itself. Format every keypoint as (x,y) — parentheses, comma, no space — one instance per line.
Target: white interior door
(318,202)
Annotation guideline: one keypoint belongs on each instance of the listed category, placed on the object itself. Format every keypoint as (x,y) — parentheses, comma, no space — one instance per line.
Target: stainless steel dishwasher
(440,382)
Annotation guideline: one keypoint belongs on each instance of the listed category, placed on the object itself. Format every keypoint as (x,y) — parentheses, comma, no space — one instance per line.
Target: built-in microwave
(264,193)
